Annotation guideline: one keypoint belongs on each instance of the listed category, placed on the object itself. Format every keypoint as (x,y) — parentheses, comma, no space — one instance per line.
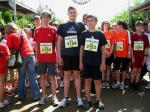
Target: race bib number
(91,44)
(71,42)
(107,46)
(45,48)
(138,45)
(119,46)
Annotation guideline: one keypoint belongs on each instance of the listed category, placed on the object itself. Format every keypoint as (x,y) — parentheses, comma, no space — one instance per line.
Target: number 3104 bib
(91,44)
(45,48)
(71,41)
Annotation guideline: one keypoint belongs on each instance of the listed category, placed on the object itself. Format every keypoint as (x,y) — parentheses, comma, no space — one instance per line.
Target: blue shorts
(47,67)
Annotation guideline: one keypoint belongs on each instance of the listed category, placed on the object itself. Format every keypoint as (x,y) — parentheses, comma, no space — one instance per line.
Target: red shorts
(138,63)
(3,70)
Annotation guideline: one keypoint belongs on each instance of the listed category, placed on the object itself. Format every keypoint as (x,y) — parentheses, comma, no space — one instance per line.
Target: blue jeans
(28,66)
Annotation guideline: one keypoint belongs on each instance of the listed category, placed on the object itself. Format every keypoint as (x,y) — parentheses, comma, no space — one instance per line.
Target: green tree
(7,17)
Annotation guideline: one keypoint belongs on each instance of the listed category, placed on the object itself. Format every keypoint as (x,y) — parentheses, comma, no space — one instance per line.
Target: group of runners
(78,50)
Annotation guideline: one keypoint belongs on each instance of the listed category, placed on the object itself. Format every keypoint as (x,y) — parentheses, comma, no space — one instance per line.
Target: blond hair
(11,28)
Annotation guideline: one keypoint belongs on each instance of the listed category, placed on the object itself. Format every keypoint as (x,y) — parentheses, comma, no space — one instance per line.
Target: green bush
(7,17)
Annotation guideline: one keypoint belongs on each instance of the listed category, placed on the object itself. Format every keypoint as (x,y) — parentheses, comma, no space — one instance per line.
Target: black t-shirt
(70,32)
(92,56)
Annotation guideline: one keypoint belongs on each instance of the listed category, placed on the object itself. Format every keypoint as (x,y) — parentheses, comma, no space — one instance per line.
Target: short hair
(36,17)
(92,16)
(122,23)
(85,15)
(145,24)
(71,8)
(46,13)
(103,23)
(139,23)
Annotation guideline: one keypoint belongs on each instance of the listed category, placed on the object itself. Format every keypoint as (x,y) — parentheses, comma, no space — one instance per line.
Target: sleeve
(146,42)
(82,40)
(103,40)
(115,41)
(9,42)
(132,40)
(129,37)
(35,35)
(55,36)
(113,38)
(59,31)
(6,51)
(83,27)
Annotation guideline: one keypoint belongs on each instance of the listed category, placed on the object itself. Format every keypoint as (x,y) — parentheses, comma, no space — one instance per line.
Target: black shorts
(121,64)
(70,63)
(92,72)
(110,60)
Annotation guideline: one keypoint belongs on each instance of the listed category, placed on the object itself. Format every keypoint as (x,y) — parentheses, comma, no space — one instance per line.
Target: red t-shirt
(13,42)
(139,44)
(4,51)
(110,36)
(122,44)
(46,41)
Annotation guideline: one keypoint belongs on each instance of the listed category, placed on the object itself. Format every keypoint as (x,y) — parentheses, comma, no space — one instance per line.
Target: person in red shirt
(46,38)
(139,47)
(4,54)
(109,52)
(122,54)
(14,42)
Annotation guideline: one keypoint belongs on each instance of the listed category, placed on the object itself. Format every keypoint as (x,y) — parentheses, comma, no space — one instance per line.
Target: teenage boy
(46,38)
(68,53)
(92,60)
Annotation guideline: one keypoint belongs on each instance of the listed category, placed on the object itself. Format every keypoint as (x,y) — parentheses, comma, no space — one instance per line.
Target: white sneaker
(55,101)
(4,103)
(43,100)
(122,86)
(64,102)
(92,94)
(99,105)
(61,84)
(107,85)
(79,102)
(116,85)
(103,85)
(83,90)
(148,86)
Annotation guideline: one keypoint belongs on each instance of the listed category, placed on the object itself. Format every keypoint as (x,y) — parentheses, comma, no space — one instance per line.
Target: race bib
(138,45)
(91,44)
(45,48)
(107,46)
(71,42)
(119,46)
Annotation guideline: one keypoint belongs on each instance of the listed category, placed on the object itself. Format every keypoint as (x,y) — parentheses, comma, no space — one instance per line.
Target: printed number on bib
(119,46)
(138,46)
(91,44)
(45,48)
(71,41)
(107,46)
